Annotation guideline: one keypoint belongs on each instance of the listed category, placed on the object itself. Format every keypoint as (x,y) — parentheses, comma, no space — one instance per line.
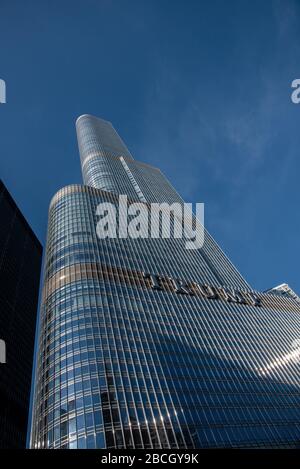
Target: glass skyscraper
(20,266)
(146,344)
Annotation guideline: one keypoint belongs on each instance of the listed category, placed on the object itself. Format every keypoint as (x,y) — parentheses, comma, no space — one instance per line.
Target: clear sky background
(199,88)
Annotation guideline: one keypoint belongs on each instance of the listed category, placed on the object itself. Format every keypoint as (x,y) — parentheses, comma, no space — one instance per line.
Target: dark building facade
(20,264)
(146,344)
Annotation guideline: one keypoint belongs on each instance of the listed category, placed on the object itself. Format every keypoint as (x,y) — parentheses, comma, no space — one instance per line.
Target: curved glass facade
(125,365)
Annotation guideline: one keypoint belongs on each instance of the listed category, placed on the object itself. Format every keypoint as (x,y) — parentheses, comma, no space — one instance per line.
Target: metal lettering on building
(206,291)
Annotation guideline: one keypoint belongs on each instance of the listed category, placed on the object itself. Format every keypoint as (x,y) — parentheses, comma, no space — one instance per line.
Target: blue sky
(199,88)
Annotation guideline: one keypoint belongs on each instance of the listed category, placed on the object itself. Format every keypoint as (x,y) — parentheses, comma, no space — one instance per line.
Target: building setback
(145,344)
(20,264)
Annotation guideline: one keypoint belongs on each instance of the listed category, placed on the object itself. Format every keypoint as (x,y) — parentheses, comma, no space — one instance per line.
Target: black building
(20,264)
